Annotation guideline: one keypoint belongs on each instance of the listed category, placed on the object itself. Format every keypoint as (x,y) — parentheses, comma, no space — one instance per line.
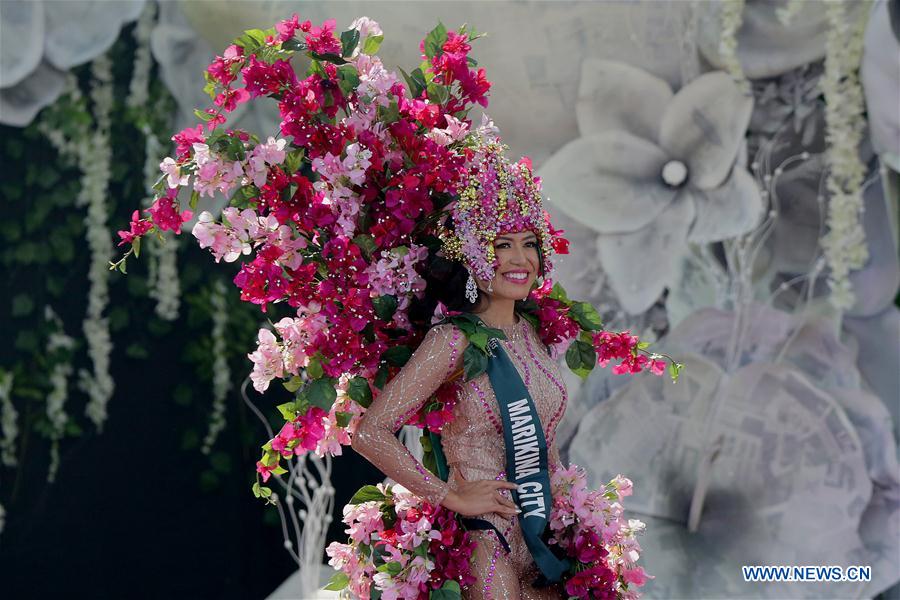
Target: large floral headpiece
(497,197)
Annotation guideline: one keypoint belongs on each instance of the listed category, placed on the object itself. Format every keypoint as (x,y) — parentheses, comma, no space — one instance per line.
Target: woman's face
(518,265)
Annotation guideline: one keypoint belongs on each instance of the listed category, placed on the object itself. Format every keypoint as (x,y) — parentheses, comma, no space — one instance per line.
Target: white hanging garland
(162,274)
(221,375)
(845,243)
(58,343)
(138,89)
(9,418)
(732,16)
(95,165)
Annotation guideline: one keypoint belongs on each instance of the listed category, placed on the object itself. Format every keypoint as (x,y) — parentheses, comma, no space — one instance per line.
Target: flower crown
(496,197)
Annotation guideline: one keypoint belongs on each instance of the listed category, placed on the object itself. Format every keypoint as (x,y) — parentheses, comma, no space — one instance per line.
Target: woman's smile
(518,276)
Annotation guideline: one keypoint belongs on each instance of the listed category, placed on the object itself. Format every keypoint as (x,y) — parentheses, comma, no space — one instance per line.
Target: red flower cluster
(557,327)
(623,346)
(452,552)
(597,582)
(432,418)
(296,437)
(451,65)
(138,227)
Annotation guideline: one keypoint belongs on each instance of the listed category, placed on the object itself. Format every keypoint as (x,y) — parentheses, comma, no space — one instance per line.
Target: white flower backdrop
(727,173)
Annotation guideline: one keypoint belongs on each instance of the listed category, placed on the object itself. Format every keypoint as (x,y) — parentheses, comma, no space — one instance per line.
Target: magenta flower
(165,213)
(138,227)
(321,40)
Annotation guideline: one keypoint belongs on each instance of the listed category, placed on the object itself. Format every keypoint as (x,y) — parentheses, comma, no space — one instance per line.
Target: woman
(473,442)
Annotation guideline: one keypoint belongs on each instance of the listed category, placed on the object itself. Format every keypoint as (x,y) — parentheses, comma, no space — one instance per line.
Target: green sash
(526,464)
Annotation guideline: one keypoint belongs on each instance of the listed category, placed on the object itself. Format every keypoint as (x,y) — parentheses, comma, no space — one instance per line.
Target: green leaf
(397,356)
(338,581)
(22,305)
(367,493)
(437,93)
(343,418)
(359,391)
(385,307)
(586,316)
(394,568)
(137,351)
(464,325)
(348,79)
(293,45)
(332,58)
(429,461)
(675,371)
(559,293)
(434,41)
(449,591)
(425,440)
(381,377)
(205,116)
(322,393)
(349,41)
(293,384)
(316,68)
(261,491)
(475,362)
(479,339)
(195,198)
(415,81)
(288,410)
(136,247)
(293,160)
(389,113)
(372,44)
(314,368)
(581,355)
(366,243)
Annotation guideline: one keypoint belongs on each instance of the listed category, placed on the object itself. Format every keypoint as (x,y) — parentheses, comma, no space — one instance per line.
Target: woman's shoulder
(445,334)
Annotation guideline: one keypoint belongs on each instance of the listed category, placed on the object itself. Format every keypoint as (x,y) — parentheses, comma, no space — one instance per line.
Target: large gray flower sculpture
(795,462)
(41,40)
(653,171)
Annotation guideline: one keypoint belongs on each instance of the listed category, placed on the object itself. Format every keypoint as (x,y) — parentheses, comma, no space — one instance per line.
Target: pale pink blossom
(174,177)
(214,174)
(267,361)
(220,239)
(455,131)
(367,27)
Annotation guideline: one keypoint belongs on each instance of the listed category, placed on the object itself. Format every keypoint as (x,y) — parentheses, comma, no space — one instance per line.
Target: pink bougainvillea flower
(138,227)
(321,40)
(166,215)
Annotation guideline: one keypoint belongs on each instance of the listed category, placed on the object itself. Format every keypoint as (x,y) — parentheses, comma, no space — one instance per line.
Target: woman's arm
(430,365)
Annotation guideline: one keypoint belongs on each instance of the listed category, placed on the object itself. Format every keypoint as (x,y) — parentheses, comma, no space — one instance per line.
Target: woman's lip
(517,281)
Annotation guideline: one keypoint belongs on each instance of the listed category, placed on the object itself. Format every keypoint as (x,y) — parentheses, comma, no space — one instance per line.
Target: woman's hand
(473,498)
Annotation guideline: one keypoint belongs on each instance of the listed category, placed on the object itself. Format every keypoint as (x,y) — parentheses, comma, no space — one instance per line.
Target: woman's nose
(518,256)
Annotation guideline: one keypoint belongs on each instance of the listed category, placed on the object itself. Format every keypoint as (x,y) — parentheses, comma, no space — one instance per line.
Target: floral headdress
(497,197)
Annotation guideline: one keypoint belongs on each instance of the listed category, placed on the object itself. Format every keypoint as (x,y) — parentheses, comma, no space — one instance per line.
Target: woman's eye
(502,245)
(532,244)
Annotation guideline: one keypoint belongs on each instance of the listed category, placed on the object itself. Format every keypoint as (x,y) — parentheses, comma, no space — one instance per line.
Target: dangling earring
(490,286)
(471,290)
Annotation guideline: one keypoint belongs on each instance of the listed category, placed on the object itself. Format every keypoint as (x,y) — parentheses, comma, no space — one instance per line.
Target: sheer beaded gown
(473,443)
